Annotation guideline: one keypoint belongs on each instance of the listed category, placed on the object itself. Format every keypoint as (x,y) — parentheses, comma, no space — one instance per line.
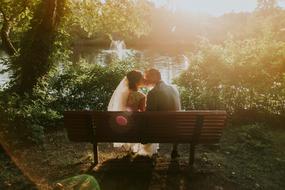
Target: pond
(169,62)
(4,77)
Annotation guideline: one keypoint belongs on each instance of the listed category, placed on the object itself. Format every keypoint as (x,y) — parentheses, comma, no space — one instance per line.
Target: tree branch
(4,15)
(4,34)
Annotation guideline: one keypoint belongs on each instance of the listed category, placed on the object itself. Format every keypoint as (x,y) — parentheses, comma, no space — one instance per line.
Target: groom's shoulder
(173,89)
(170,87)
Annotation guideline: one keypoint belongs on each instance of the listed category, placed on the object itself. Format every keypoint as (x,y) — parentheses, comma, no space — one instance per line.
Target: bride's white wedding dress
(124,99)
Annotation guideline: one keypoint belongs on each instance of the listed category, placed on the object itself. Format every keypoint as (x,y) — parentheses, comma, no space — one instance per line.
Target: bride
(127,97)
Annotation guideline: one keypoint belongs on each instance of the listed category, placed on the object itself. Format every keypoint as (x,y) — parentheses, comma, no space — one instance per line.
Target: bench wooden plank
(79,127)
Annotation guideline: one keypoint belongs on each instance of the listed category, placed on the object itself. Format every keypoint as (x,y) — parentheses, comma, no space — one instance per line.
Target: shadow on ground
(125,173)
(142,173)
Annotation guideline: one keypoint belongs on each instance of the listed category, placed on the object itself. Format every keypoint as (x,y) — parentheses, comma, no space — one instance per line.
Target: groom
(162,97)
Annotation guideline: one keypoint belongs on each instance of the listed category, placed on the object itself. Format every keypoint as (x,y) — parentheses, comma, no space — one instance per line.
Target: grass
(248,157)
(253,157)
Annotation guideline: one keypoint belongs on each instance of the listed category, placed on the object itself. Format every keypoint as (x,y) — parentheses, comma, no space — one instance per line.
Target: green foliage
(238,75)
(18,15)
(125,18)
(65,86)
(85,86)
(16,9)
(80,86)
(24,119)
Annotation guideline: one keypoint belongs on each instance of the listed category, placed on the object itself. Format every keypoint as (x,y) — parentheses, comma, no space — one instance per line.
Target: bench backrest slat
(79,126)
(180,126)
(149,127)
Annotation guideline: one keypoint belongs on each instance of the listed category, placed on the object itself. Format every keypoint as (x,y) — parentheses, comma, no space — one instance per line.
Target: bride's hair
(134,77)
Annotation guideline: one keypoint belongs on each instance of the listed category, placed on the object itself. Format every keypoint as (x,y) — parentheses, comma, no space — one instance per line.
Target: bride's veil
(119,98)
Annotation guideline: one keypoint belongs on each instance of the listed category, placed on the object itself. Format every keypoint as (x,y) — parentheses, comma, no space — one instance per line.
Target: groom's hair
(154,74)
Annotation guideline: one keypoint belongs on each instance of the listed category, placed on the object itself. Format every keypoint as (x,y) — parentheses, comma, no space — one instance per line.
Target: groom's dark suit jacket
(163,97)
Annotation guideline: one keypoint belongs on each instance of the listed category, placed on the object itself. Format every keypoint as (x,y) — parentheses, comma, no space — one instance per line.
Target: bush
(24,118)
(79,86)
(85,86)
(235,76)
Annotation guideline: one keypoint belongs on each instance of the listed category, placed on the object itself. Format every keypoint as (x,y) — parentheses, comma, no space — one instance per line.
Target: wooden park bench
(193,127)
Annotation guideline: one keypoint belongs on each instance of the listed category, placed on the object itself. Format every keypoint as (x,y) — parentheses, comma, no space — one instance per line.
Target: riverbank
(248,157)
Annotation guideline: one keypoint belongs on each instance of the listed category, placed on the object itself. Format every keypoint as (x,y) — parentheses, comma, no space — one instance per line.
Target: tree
(37,45)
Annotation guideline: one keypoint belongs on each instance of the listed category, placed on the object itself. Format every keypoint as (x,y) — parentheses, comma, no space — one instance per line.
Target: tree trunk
(37,46)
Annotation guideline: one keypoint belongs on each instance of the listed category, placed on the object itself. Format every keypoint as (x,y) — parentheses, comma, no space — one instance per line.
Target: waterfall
(119,48)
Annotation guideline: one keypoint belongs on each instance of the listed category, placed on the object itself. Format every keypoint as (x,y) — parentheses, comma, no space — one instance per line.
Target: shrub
(80,86)
(84,85)
(238,75)
(23,118)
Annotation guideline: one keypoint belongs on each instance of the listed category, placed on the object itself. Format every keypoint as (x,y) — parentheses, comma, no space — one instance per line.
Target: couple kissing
(127,97)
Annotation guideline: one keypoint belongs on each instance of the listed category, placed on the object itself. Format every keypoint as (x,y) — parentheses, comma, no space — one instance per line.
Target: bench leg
(95,154)
(192,155)
(95,157)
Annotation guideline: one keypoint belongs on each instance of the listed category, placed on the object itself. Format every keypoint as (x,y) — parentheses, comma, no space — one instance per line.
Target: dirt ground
(41,167)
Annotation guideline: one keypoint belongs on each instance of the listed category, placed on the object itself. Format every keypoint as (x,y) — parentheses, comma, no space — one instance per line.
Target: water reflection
(170,64)
(4,77)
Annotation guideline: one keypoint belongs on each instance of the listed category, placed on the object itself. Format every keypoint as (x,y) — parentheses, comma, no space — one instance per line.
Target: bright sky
(213,7)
